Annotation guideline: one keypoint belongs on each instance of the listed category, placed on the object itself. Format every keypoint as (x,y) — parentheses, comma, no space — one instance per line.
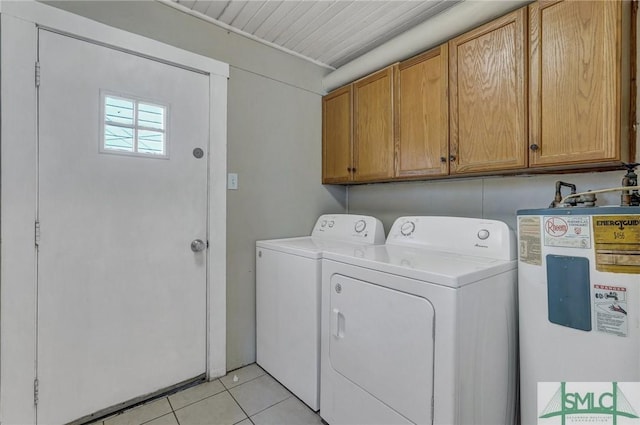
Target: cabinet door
(574,82)
(488,96)
(336,136)
(373,126)
(422,115)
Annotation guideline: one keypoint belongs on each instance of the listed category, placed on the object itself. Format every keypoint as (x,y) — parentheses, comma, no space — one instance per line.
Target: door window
(133,126)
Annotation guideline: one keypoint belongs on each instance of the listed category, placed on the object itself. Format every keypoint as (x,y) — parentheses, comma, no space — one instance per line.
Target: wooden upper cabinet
(336,137)
(488,99)
(575,82)
(422,115)
(373,127)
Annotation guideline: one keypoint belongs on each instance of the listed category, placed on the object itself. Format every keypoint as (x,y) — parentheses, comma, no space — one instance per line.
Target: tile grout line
(173,411)
(228,390)
(153,419)
(252,379)
(241,408)
(273,405)
(224,389)
(199,400)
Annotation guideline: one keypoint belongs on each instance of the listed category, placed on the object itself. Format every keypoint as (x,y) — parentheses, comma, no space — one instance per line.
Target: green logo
(586,403)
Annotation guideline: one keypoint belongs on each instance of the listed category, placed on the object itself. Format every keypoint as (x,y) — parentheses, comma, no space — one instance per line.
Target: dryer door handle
(337,323)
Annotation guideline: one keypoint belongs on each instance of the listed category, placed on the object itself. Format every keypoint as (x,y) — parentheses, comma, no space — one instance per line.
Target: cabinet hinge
(37,233)
(37,74)
(35,391)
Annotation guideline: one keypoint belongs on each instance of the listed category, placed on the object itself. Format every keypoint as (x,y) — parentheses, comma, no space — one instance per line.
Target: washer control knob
(483,234)
(360,226)
(407,228)
(331,223)
(323,223)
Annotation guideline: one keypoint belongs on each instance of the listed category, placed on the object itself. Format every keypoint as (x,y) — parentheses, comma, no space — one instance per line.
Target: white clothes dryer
(288,277)
(423,329)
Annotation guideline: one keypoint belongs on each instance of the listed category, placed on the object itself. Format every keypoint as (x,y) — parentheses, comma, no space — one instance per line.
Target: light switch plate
(232,181)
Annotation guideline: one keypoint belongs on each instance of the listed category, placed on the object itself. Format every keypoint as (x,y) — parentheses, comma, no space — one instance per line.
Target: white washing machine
(423,329)
(288,278)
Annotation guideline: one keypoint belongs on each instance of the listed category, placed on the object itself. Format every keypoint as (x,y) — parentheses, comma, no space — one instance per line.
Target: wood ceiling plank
(247,13)
(186,3)
(285,14)
(394,24)
(201,6)
(233,9)
(300,24)
(318,23)
(349,31)
(267,8)
(330,32)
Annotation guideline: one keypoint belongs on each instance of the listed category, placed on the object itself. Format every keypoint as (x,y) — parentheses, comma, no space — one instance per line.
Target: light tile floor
(244,396)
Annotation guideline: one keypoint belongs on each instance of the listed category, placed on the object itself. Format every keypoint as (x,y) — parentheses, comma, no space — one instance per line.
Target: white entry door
(122,194)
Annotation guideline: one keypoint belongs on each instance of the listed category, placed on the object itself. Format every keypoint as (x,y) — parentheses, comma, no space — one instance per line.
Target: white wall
(274,143)
(490,197)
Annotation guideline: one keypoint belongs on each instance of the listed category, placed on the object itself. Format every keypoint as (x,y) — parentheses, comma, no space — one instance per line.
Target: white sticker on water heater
(610,307)
(567,231)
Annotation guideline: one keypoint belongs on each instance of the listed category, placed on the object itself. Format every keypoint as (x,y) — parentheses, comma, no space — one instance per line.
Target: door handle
(337,324)
(198,245)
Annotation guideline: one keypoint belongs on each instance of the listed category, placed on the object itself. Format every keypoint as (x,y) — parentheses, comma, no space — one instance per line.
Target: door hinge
(37,233)
(37,74)
(35,391)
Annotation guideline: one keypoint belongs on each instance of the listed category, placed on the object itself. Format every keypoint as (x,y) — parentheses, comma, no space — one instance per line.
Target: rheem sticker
(567,231)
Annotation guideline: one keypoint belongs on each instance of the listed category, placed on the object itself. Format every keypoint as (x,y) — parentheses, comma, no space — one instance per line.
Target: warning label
(610,309)
(529,245)
(567,231)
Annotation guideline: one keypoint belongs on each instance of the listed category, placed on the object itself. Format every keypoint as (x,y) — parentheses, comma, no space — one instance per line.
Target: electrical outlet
(232,181)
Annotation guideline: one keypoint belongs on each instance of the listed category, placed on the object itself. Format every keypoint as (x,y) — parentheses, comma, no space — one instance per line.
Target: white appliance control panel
(460,235)
(349,227)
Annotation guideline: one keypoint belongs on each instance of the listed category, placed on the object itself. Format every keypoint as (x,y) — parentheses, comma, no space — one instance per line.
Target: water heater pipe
(591,192)
(432,32)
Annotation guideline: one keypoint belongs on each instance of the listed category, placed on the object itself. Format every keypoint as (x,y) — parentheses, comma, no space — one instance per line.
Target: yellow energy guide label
(617,243)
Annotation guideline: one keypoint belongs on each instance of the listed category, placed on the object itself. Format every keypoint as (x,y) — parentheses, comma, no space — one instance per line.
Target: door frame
(19,22)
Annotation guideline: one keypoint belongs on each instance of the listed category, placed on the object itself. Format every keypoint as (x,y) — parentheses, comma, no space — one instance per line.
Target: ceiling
(329,33)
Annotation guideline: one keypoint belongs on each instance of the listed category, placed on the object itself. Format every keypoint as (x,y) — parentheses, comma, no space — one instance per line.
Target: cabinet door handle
(534,147)
(349,169)
(443,159)
(452,158)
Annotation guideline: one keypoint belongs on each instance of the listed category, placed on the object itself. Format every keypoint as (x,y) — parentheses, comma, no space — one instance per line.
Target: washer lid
(305,246)
(441,268)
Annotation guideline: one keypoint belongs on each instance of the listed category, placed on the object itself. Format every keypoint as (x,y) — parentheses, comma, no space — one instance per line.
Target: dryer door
(382,340)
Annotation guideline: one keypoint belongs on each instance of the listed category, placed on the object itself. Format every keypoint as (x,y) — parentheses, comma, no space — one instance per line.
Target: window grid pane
(150,116)
(118,110)
(118,138)
(134,126)
(151,142)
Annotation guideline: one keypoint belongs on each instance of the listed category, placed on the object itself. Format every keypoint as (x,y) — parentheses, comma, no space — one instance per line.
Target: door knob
(198,245)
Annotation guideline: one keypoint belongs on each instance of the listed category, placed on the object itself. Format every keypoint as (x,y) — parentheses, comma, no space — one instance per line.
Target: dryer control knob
(407,228)
(360,226)
(483,234)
